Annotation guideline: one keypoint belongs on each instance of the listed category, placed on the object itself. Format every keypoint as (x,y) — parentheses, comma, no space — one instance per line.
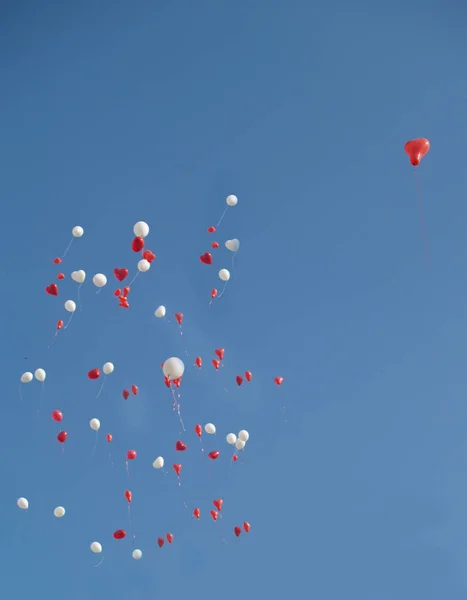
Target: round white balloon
(239,444)
(231,438)
(99,280)
(232,245)
(160,312)
(96,548)
(144,265)
(224,275)
(78,276)
(231,200)
(77,231)
(108,368)
(158,463)
(40,375)
(173,368)
(22,503)
(27,377)
(141,229)
(243,435)
(70,306)
(59,512)
(210,428)
(137,554)
(95,424)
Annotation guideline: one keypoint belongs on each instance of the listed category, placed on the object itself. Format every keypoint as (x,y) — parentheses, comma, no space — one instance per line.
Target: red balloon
(237,531)
(167,381)
(179,318)
(199,361)
(124,303)
(108,437)
(149,256)
(62,436)
(118,292)
(131,454)
(137,244)
(52,289)
(214,514)
(180,446)
(197,513)
(94,374)
(216,363)
(214,454)
(134,390)
(417,149)
(60,276)
(177,469)
(219,503)
(128,496)
(235,458)
(57,261)
(126,291)
(160,542)
(126,394)
(119,534)
(219,352)
(120,274)
(206,258)
(60,324)
(177,382)
(170,538)
(213,293)
(246,526)
(239,380)
(248,375)
(215,245)
(211,229)
(198,430)
(278,380)
(57,416)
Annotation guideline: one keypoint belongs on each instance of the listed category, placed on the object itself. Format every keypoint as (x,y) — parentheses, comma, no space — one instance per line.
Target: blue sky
(115,112)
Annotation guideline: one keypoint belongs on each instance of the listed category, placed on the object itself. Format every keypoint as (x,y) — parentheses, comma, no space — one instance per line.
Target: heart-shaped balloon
(125,394)
(78,276)
(278,380)
(232,245)
(135,390)
(149,256)
(120,274)
(160,542)
(237,531)
(52,289)
(170,538)
(118,292)
(206,258)
(180,446)
(218,503)
(219,352)
(216,363)
(61,276)
(239,380)
(248,375)
(416,150)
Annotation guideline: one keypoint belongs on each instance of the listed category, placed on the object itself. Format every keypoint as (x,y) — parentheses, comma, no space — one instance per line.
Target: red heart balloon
(206,258)
(219,352)
(211,229)
(216,363)
(60,276)
(57,261)
(137,244)
(237,531)
(126,394)
(214,514)
(248,375)
(52,289)
(135,390)
(118,292)
(215,245)
(180,446)
(120,274)
(149,256)
(218,503)
(278,380)
(417,149)
(239,380)
(160,542)
(170,538)
(126,291)
(246,526)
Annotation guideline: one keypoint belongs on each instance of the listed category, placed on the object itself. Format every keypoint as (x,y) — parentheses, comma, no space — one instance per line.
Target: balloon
(278,380)
(169,537)
(131,454)
(126,394)
(214,454)
(108,368)
(233,245)
(199,362)
(231,200)
(78,276)
(77,231)
(197,513)
(417,149)
(243,435)
(216,363)
(224,275)
(206,258)
(108,437)
(59,512)
(239,380)
(62,436)
(160,542)
(27,377)
(96,548)
(213,293)
(158,463)
(235,458)
(219,352)
(198,430)
(57,261)
(180,446)
(231,438)
(177,469)
(120,274)
(210,428)
(94,374)
(99,280)
(137,554)
(128,496)
(70,306)
(211,229)
(40,375)
(160,312)
(134,390)
(246,526)
(179,318)
(22,503)
(52,289)
(143,265)
(218,503)
(215,245)
(60,276)
(57,416)
(95,424)
(141,229)
(239,444)
(214,514)
(60,324)
(119,534)
(173,368)
(248,375)
(237,531)
(149,256)
(137,244)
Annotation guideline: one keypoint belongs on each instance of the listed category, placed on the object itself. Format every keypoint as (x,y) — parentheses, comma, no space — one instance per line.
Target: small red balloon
(219,352)
(94,374)
(179,318)
(120,274)
(206,258)
(214,514)
(126,291)
(180,446)
(128,496)
(62,436)
(118,292)
(137,244)
(246,526)
(211,229)
(198,430)
(167,381)
(239,380)
(57,416)
(237,531)
(177,382)
(216,363)
(160,542)
(108,437)
(417,149)
(213,293)
(60,324)
(248,375)
(169,538)
(235,458)
(214,454)
(119,534)
(52,289)
(177,469)
(57,261)
(131,454)
(199,362)
(219,503)
(126,394)
(60,276)
(215,245)
(278,380)
(149,256)
(197,513)
(124,303)
(134,390)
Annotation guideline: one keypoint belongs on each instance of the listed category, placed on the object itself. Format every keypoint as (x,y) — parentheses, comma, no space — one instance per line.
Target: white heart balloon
(232,245)
(78,276)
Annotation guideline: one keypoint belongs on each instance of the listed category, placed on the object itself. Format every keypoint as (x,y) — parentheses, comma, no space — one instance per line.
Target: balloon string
(67,248)
(233,260)
(79,298)
(131,282)
(223,289)
(127,469)
(69,321)
(100,562)
(222,217)
(427,247)
(101,388)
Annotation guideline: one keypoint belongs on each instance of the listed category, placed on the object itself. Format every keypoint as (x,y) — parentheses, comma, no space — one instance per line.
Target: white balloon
(160,312)
(108,368)
(158,463)
(239,444)
(77,231)
(233,245)
(243,435)
(78,276)
(95,424)
(40,375)
(99,280)
(70,306)
(144,265)
(210,428)
(59,512)
(26,377)
(231,438)
(173,368)
(231,200)
(22,503)
(137,554)
(224,275)
(141,229)
(96,548)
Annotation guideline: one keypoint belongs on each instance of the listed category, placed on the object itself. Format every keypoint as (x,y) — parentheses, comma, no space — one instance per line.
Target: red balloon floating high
(246,526)
(214,454)
(108,437)
(416,150)
(248,375)
(219,503)
(137,244)
(180,446)
(197,513)
(179,318)
(214,514)
(177,468)
(213,293)
(237,531)
(128,496)
(60,324)
(211,229)
(215,245)
(206,258)
(62,436)
(94,374)
(216,363)
(120,274)
(239,380)
(131,454)
(61,276)
(278,380)
(52,289)
(57,416)
(119,534)
(149,256)
(219,352)
(118,292)
(198,430)
(126,394)
(57,261)
(160,542)
(199,362)
(169,537)
(134,390)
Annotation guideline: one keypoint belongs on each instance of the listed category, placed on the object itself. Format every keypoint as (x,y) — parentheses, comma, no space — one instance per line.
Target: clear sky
(113,112)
